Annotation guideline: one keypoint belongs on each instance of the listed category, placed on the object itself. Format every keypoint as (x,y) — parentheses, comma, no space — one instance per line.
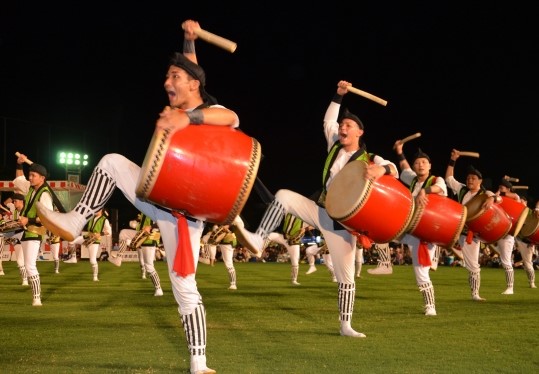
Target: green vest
(30,211)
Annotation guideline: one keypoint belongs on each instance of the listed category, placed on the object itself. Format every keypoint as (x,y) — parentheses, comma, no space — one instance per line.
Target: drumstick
(217,40)
(367,95)
(411,137)
(25,160)
(520,187)
(511,179)
(469,154)
(408,138)
(4,209)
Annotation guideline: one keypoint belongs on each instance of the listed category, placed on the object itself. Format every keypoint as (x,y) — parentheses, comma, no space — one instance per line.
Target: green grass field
(267,325)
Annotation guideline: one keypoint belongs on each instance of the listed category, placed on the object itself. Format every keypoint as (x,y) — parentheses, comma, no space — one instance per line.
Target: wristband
(189,46)
(19,167)
(196,116)
(451,162)
(388,170)
(401,157)
(428,190)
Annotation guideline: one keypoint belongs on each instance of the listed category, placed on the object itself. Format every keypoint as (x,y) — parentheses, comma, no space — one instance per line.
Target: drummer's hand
(455,154)
(398,146)
(342,87)
(23,221)
(422,198)
(489,202)
(173,119)
(373,172)
(189,28)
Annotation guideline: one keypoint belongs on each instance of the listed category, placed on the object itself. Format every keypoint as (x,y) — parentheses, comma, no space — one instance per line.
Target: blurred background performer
(35,190)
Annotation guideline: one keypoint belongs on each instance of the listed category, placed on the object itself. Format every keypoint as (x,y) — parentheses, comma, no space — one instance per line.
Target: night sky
(465,76)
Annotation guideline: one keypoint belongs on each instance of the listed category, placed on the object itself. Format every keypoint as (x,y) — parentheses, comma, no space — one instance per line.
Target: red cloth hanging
(423,255)
(184,262)
(469,237)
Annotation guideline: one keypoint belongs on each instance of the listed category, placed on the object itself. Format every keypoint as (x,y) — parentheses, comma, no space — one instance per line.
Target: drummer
(344,134)
(526,249)
(505,245)
(421,183)
(190,105)
(468,244)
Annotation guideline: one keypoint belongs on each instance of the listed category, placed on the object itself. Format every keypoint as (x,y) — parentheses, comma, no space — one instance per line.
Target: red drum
(206,172)
(381,210)
(439,222)
(517,212)
(489,225)
(530,229)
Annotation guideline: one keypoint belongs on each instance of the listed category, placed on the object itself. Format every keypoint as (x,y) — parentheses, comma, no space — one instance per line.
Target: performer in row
(292,230)
(343,132)
(468,244)
(421,183)
(35,191)
(189,105)
(13,237)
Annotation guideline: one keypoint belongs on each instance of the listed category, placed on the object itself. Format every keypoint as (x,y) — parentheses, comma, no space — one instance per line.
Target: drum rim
(520,221)
(360,201)
(535,221)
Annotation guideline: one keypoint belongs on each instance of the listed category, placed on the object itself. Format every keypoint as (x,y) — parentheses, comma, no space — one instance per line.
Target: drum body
(381,210)
(517,212)
(203,171)
(530,229)
(489,225)
(439,222)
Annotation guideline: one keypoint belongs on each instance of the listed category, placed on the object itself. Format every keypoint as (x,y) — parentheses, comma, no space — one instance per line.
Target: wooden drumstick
(367,95)
(408,138)
(469,154)
(520,187)
(411,137)
(18,154)
(511,179)
(217,40)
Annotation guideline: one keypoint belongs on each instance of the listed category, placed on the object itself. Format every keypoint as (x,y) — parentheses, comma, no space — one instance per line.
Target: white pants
(341,243)
(293,250)
(422,273)
(30,249)
(126,175)
(227,252)
(470,253)
(504,247)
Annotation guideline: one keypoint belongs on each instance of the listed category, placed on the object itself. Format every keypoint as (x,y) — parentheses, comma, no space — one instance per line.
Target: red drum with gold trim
(530,229)
(206,172)
(381,210)
(517,211)
(489,225)
(439,222)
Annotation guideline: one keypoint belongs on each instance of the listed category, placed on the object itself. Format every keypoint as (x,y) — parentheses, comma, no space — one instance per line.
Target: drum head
(475,206)
(520,221)
(348,191)
(530,226)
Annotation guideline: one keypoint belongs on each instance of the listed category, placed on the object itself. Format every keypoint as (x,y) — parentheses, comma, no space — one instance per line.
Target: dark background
(90,78)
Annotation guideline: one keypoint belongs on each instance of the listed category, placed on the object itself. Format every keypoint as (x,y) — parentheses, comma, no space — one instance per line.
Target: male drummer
(343,134)
(505,245)
(421,183)
(469,245)
(189,104)
(36,191)
(526,249)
